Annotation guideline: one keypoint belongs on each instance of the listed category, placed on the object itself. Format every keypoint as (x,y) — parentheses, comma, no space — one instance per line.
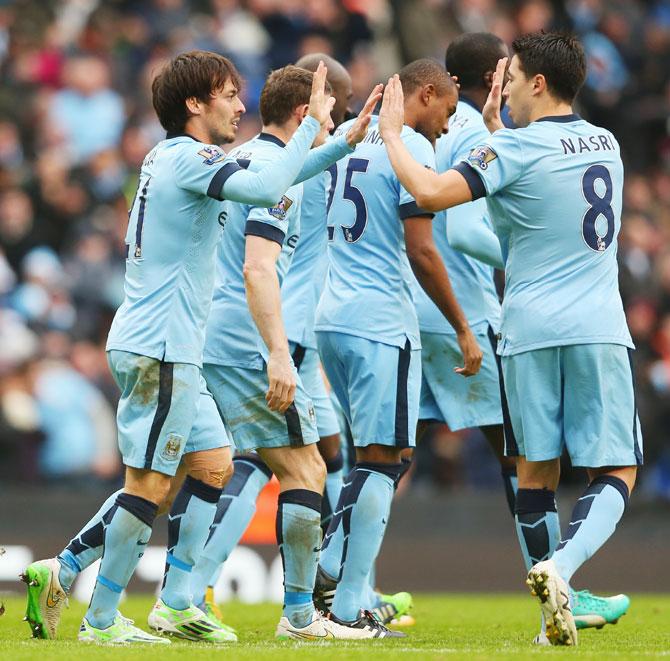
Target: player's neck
(197,130)
(284,131)
(475,97)
(550,108)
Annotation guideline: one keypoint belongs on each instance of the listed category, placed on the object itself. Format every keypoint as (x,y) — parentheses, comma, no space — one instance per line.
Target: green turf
(455,626)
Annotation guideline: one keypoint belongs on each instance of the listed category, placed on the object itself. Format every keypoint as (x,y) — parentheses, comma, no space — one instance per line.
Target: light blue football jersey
(367,291)
(303,283)
(554,193)
(173,230)
(232,337)
(471,280)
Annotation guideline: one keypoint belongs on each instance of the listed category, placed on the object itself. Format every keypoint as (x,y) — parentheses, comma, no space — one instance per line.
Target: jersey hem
(332,328)
(478,328)
(156,354)
(513,351)
(256,364)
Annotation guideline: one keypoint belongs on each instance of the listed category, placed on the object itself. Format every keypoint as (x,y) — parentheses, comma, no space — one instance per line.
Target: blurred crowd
(76,121)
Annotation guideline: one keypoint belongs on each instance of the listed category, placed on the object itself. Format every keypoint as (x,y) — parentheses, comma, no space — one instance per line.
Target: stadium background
(76,121)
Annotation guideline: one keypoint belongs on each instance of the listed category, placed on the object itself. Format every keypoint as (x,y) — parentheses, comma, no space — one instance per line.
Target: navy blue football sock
(537,524)
(86,547)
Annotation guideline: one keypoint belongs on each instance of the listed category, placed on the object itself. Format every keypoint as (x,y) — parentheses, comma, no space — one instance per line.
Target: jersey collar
(574,117)
(271,138)
(469,102)
(171,135)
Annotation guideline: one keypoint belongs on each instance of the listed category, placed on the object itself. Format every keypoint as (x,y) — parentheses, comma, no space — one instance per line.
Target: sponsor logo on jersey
(280,209)
(212,155)
(481,156)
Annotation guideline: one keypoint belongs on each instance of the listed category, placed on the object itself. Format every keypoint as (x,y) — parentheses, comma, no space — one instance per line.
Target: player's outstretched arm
(469,233)
(491,109)
(264,188)
(321,157)
(264,300)
(432,276)
(431,191)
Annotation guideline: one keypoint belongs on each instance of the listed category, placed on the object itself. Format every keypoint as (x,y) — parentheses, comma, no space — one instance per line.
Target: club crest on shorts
(172,448)
(212,155)
(280,209)
(481,156)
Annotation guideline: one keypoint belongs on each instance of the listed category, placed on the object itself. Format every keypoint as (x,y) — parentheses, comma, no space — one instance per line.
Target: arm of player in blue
(468,231)
(320,158)
(232,182)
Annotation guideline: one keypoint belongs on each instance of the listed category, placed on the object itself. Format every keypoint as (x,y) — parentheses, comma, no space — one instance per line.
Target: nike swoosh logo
(313,636)
(52,599)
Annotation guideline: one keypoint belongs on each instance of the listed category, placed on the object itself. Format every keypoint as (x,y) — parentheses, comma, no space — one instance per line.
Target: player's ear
(427,93)
(488,79)
(539,84)
(301,112)
(193,105)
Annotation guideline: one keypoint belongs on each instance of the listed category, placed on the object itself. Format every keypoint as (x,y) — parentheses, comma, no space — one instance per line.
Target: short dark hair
(196,73)
(425,72)
(558,57)
(470,56)
(285,89)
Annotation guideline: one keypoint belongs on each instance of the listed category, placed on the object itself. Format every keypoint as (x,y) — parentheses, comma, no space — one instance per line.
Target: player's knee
(147,484)
(376,453)
(329,447)
(212,467)
(312,472)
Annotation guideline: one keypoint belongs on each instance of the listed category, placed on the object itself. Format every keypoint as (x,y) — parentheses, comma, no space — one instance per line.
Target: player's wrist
(462,328)
(280,351)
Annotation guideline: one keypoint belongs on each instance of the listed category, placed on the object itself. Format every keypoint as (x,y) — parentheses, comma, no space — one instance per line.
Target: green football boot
(190,623)
(394,609)
(121,632)
(590,610)
(46,598)
(212,611)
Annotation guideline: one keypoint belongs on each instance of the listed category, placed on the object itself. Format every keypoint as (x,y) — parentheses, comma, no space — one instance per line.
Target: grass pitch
(448,626)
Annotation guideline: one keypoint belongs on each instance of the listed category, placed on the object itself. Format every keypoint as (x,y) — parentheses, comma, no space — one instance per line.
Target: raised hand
(360,127)
(392,114)
(491,109)
(320,103)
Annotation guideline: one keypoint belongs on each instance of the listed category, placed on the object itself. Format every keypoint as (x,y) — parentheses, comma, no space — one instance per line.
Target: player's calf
(301,473)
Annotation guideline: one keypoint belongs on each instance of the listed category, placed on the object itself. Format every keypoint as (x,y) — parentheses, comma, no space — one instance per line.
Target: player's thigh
(383,385)
(240,396)
(296,467)
(309,368)
(532,383)
(601,422)
(208,446)
(446,396)
(330,354)
(158,405)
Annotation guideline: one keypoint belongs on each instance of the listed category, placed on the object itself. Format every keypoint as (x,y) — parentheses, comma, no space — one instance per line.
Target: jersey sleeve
(320,158)
(422,152)
(272,222)
(265,187)
(203,169)
(494,164)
